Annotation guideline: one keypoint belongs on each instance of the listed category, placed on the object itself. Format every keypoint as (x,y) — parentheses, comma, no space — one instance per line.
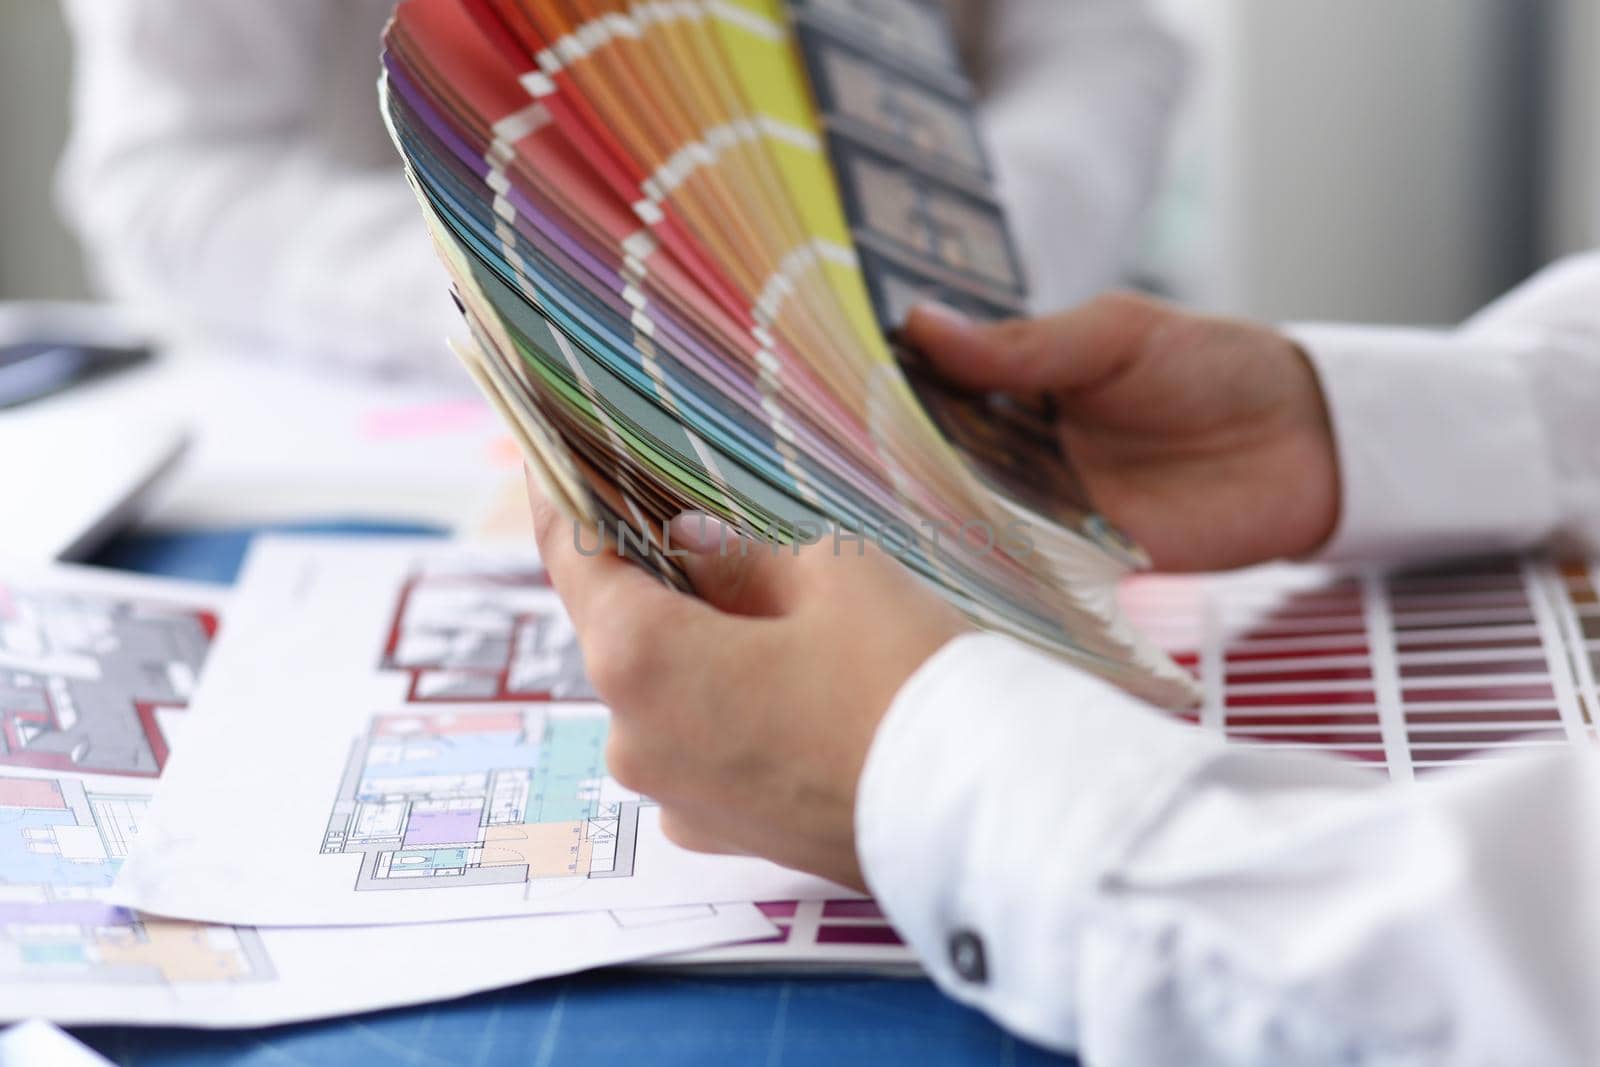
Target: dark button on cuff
(966,956)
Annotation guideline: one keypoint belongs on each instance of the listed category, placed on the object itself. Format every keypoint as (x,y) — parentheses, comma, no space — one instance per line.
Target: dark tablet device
(30,370)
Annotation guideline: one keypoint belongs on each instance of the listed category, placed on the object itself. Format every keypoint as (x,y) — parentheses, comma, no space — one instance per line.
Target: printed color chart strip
(1408,672)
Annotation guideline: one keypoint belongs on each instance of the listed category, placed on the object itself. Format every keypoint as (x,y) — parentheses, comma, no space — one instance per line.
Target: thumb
(1075,349)
(732,572)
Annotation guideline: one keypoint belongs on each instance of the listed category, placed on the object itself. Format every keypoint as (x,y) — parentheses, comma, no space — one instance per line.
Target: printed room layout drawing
(60,847)
(484,634)
(483,795)
(88,683)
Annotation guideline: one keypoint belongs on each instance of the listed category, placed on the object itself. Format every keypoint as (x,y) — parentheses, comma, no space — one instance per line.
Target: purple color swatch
(441,828)
(857,935)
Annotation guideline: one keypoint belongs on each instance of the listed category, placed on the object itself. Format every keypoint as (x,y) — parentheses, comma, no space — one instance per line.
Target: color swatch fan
(682,234)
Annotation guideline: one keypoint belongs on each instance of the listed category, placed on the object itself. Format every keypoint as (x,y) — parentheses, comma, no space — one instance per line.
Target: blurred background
(1460,157)
(1379,160)
(38,259)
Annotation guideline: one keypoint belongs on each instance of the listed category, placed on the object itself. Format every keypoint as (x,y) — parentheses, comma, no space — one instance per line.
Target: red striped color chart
(817,934)
(1410,671)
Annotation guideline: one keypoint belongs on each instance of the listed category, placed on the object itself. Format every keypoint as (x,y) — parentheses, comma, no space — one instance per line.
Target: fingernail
(700,533)
(942,314)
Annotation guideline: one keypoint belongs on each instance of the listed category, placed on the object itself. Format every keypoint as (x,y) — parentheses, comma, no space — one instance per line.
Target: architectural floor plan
(60,847)
(484,634)
(96,671)
(490,781)
(482,796)
(88,683)
(434,754)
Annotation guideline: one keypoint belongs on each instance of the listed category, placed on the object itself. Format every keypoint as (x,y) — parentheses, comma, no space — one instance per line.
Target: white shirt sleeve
(1102,878)
(1477,439)
(249,200)
(1077,104)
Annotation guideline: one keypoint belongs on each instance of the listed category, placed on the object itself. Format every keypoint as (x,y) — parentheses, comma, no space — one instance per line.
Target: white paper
(98,475)
(96,677)
(275,440)
(36,1043)
(397,731)
(176,973)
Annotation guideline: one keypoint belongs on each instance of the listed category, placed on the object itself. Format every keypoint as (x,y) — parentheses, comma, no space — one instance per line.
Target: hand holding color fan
(679,232)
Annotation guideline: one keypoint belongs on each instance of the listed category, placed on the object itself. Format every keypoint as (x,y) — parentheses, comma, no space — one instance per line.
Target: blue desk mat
(595,1019)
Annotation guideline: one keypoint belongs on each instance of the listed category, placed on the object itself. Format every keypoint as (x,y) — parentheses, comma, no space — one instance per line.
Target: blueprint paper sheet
(97,674)
(401,732)
(157,972)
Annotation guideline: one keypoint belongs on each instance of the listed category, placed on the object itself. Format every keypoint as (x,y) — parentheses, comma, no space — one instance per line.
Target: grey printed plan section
(86,681)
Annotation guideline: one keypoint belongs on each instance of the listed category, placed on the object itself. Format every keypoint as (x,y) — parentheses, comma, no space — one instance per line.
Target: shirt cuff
(1000,789)
(1439,442)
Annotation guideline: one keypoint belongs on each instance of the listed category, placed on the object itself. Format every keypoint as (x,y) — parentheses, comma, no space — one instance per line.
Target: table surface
(600,1018)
